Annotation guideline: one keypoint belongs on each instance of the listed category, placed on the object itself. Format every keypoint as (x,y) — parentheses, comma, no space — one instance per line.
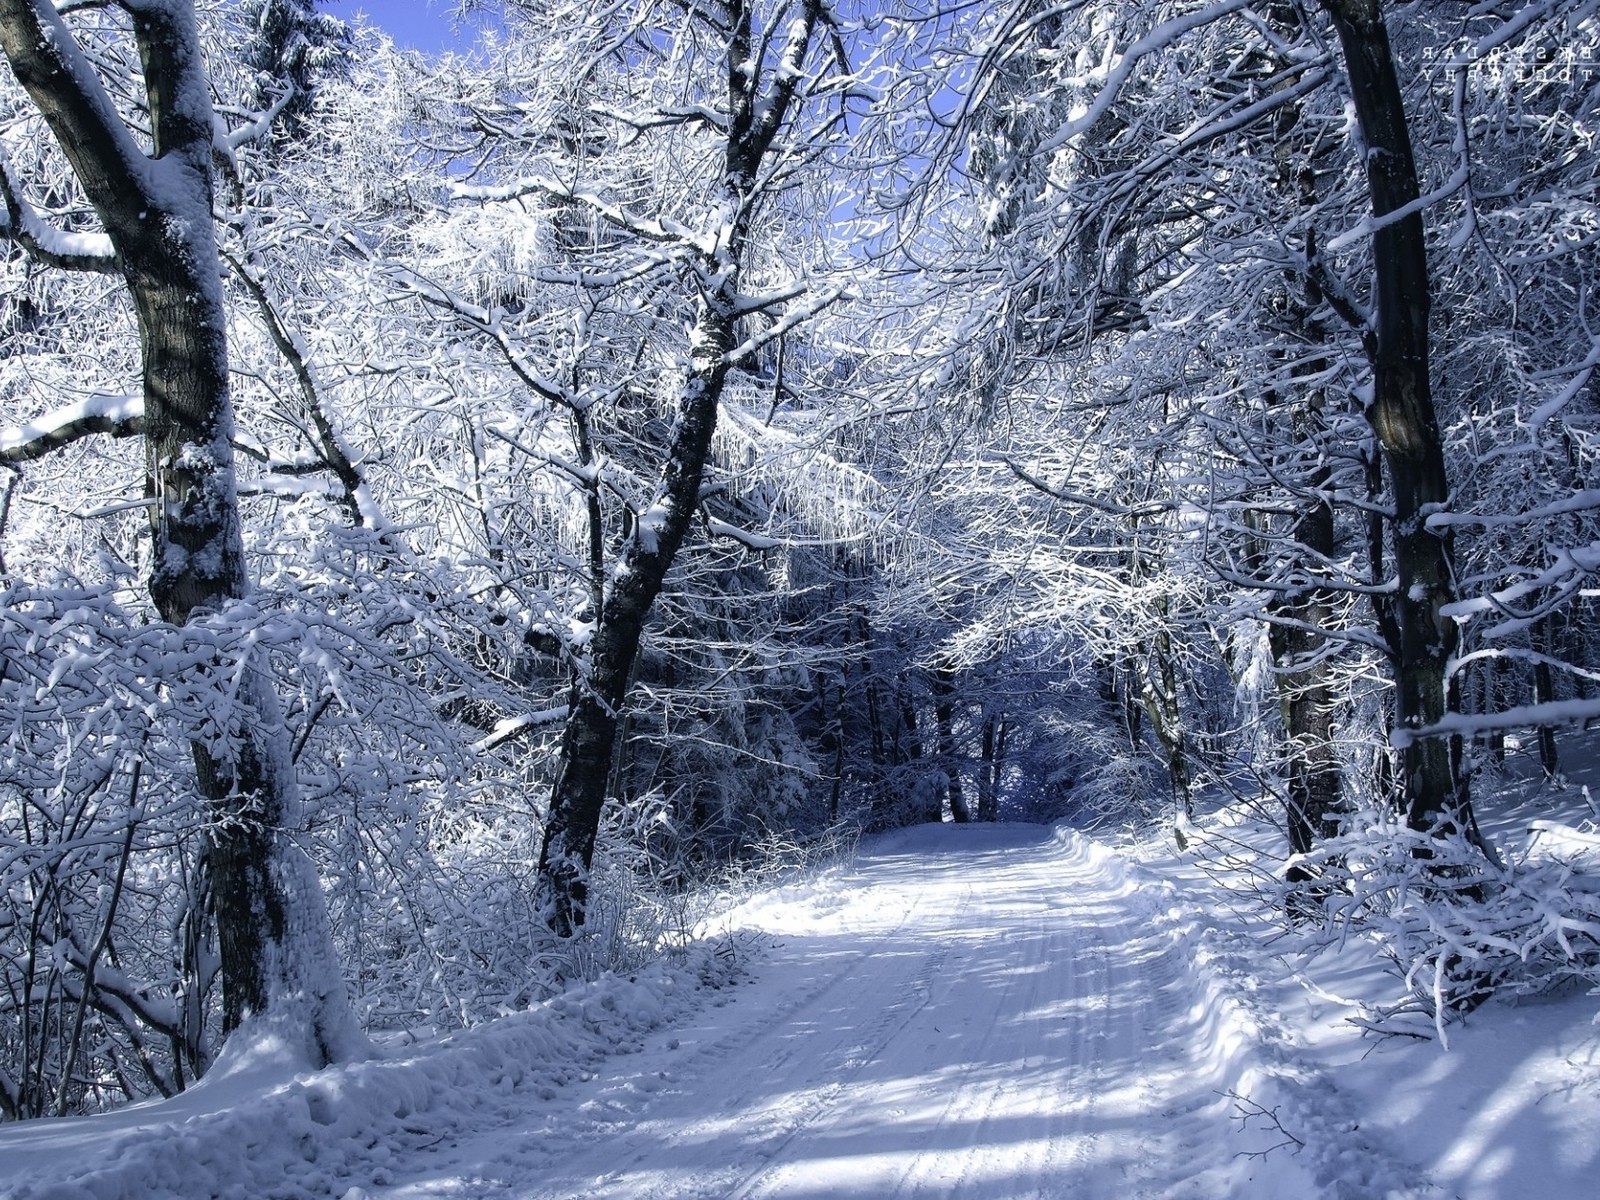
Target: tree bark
(1307,698)
(1403,419)
(599,694)
(944,708)
(278,960)
(993,763)
(1158,689)
(1544,692)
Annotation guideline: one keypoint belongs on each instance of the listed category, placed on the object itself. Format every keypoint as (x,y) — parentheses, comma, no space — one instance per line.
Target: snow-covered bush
(644,905)
(106,961)
(1457,927)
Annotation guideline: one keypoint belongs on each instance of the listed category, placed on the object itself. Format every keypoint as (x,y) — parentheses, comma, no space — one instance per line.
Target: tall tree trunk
(838,757)
(1158,687)
(1303,612)
(1544,691)
(599,695)
(944,708)
(1306,696)
(1403,420)
(758,109)
(278,959)
(993,763)
(1126,689)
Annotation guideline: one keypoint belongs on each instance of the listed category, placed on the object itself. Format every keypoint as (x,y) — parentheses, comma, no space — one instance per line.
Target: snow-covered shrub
(644,905)
(106,962)
(1099,778)
(1457,927)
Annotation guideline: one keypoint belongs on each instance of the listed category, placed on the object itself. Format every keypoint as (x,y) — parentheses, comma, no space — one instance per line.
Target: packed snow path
(982,1012)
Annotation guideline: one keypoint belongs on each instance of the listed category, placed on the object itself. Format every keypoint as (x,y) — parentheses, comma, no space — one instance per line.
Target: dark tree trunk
(1544,692)
(1303,611)
(944,708)
(993,763)
(589,741)
(757,112)
(908,718)
(1403,420)
(277,953)
(1306,695)
(838,758)
(1126,688)
(1158,686)
(1308,705)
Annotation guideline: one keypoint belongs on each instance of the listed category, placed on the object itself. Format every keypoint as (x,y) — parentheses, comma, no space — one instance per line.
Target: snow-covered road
(985,1012)
(979,1012)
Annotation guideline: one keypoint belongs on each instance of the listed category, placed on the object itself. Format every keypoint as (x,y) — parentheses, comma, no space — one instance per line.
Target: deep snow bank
(253,1131)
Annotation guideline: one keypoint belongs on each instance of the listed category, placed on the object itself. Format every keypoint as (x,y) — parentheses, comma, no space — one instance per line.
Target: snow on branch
(1541,416)
(678,114)
(747,539)
(1338,295)
(1568,566)
(228,143)
(1149,509)
(1369,225)
(491,323)
(1116,78)
(796,316)
(1521,716)
(22,224)
(119,416)
(1516,26)
(663,229)
(1521,654)
(1582,500)
(509,728)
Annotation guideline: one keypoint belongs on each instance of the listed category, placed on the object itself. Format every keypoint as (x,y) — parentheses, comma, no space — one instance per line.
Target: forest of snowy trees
(452,508)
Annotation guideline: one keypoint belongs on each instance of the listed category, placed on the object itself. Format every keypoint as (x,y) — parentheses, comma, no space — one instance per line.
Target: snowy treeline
(455,512)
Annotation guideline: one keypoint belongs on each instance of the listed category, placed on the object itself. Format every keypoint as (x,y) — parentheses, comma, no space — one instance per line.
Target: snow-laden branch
(1338,295)
(1124,64)
(510,727)
(745,537)
(1580,380)
(22,224)
(796,316)
(1519,24)
(229,143)
(1086,501)
(1522,655)
(1582,500)
(680,114)
(1568,566)
(600,471)
(1370,225)
(119,416)
(1522,716)
(491,323)
(662,229)
(50,64)
(337,455)
(768,109)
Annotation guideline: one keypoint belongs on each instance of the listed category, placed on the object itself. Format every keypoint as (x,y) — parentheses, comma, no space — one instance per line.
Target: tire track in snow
(994,1014)
(1019,1114)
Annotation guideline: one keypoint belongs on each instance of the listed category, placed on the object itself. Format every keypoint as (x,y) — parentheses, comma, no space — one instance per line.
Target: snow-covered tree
(147,171)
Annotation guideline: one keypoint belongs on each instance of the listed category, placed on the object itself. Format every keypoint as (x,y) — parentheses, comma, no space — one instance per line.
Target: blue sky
(425,25)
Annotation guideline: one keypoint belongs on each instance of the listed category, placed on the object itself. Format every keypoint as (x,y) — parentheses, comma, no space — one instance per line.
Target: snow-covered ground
(981,1011)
